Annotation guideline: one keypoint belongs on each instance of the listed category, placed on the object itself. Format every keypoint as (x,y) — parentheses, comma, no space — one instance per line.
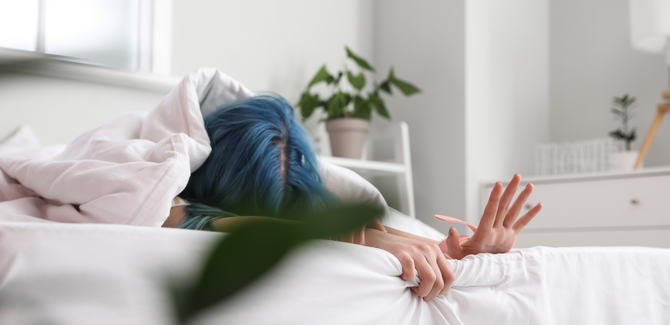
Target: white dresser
(615,209)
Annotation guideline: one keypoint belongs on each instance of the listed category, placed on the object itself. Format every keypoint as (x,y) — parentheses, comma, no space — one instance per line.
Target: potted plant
(349,112)
(624,160)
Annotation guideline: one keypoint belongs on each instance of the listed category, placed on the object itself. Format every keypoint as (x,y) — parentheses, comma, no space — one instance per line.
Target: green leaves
(357,81)
(338,104)
(386,86)
(308,103)
(404,86)
(379,104)
(360,61)
(620,135)
(321,75)
(251,250)
(624,101)
(623,112)
(362,108)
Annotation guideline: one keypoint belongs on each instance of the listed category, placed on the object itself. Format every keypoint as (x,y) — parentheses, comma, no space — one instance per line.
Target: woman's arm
(415,253)
(408,235)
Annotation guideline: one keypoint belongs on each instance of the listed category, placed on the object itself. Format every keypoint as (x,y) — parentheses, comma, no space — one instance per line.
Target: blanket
(126,171)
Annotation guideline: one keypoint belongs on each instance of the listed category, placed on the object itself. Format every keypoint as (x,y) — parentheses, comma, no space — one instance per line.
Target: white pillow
(349,186)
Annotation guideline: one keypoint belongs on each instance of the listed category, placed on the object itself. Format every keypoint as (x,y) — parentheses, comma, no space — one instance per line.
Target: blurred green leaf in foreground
(253,249)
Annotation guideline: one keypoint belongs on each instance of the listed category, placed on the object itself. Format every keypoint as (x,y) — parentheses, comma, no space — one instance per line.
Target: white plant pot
(623,161)
(347,136)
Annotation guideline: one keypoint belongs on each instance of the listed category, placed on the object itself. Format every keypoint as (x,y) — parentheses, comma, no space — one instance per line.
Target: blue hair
(261,164)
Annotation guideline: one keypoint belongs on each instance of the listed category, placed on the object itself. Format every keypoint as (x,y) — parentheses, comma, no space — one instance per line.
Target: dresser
(613,209)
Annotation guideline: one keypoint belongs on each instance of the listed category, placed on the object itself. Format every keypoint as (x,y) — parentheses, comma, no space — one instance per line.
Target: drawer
(618,202)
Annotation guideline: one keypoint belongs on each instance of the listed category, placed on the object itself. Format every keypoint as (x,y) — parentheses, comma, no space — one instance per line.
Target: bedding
(60,273)
(128,170)
(71,251)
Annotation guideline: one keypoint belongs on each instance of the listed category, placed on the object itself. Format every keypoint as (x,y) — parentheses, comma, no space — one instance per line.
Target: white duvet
(62,261)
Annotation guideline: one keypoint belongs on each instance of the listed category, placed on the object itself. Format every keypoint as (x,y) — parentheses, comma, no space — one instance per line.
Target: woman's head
(261,164)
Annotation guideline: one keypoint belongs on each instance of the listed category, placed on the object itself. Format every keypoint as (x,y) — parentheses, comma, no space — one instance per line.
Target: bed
(81,243)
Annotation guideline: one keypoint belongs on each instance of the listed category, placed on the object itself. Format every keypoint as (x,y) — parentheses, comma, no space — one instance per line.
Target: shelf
(365,165)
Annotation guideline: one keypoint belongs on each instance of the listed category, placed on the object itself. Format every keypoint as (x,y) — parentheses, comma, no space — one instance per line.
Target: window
(111,33)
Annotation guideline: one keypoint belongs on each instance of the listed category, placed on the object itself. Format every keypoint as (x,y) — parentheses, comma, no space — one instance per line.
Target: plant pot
(347,136)
(623,161)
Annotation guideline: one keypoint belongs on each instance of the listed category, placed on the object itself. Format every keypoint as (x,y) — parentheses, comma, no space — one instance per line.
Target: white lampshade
(650,25)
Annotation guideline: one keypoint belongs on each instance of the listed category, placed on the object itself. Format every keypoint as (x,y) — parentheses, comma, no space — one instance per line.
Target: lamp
(650,32)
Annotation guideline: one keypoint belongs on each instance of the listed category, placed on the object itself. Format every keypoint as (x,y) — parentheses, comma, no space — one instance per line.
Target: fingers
(442,270)
(513,212)
(491,207)
(453,242)
(523,221)
(506,199)
(427,272)
(408,269)
(438,284)
(448,276)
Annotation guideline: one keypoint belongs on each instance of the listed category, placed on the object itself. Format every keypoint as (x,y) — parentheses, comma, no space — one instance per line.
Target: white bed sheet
(112,274)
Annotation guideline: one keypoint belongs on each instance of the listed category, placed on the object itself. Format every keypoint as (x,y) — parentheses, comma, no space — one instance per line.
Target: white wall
(59,109)
(271,45)
(507,85)
(424,41)
(592,60)
(267,44)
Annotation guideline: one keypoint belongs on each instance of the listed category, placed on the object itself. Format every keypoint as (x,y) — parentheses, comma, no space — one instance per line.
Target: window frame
(154,64)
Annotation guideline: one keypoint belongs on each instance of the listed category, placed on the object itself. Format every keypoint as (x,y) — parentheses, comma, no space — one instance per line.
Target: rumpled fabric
(126,171)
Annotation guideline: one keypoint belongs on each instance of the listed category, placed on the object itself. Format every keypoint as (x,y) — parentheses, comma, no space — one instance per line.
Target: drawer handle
(528,206)
(634,201)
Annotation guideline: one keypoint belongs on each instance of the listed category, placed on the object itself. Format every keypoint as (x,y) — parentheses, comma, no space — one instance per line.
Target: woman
(262,164)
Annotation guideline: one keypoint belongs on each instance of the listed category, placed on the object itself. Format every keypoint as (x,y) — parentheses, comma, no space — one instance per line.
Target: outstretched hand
(498,227)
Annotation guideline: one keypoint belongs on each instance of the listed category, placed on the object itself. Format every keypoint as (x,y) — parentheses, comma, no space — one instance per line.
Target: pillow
(349,186)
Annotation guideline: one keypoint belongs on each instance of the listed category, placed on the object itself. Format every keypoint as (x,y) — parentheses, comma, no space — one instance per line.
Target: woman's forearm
(408,235)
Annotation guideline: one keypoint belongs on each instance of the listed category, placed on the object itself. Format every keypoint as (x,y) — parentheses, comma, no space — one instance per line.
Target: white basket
(580,157)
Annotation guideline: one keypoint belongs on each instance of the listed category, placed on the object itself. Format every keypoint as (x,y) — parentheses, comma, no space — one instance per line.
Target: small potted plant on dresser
(623,160)
(349,112)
